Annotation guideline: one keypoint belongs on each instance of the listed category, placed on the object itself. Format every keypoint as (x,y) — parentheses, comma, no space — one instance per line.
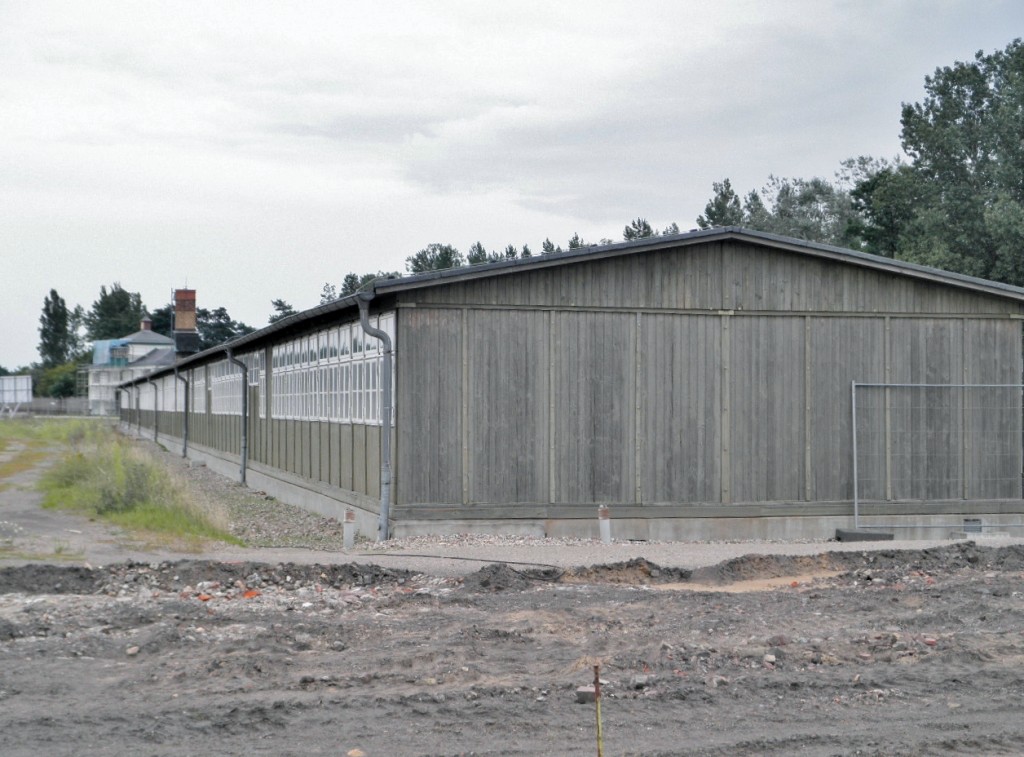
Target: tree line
(67,334)
(438,256)
(955,201)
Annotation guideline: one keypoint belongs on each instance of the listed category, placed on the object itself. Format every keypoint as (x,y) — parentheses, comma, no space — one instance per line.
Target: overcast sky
(255,151)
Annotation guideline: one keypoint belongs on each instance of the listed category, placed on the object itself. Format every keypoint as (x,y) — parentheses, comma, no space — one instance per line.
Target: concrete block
(844,534)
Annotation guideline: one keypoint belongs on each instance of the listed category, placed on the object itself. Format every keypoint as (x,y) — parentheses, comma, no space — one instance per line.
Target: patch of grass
(105,476)
(10,552)
(20,461)
(24,441)
(49,429)
(163,526)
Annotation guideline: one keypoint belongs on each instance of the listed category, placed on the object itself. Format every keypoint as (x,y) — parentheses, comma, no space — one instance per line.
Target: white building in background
(117,360)
(14,392)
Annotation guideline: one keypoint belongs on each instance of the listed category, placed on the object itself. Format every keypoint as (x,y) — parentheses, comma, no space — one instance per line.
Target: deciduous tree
(434,257)
(959,201)
(55,341)
(116,313)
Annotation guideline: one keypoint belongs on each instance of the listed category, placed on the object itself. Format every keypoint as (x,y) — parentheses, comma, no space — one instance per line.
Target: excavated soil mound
(637,571)
(503,577)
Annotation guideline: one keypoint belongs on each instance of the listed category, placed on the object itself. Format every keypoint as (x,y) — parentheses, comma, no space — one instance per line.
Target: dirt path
(868,651)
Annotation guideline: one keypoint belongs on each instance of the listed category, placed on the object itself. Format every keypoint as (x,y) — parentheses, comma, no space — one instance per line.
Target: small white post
(604,521)
(349,528)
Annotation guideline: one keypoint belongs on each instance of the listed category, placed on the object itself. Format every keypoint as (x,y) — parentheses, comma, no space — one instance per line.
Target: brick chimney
(147,324)
(186,333)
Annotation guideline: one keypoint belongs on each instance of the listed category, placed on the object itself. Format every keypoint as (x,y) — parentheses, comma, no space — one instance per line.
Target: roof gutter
(383,523)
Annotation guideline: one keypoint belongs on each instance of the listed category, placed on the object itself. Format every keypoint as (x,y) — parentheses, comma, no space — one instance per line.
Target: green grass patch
(105,476)
(60,552)
(20,460)
(49,429)
(24,442)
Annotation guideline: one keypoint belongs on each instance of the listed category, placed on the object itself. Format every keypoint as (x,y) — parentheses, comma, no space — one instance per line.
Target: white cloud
(260,149)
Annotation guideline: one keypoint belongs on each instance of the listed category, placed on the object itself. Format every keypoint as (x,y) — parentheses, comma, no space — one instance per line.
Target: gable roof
(725,233)
(816,250)
(146,337)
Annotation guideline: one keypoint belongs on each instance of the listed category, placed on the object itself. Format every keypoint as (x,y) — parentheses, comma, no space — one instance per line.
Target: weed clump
(104,475)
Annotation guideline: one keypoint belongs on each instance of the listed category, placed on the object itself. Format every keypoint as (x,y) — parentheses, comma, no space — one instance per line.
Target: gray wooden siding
(593,391)
(429,410)
(766,407)
(715,276)
(840,351)
(508,453)
(681,401)
(577,407)
(339,454)
(713,375)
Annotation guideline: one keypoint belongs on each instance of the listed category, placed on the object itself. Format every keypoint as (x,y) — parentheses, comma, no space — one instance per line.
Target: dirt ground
(878,651)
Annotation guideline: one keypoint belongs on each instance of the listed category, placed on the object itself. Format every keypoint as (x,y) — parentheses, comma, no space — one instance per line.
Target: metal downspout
(184,421)
(383,525)
(245,411)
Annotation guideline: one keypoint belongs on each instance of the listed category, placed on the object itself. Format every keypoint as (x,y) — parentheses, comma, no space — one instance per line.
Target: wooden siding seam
(965,445)
(466,494)
(552,357)
(726,421)
(887,348)
(637,410)
(807,408)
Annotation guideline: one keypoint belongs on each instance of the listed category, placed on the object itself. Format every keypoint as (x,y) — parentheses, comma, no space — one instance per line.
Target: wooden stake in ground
(597,705)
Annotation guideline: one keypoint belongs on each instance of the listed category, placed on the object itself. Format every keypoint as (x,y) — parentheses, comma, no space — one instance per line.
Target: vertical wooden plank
(808,378)
(681,376)
(467,420)
(430,433)
(507,388)
(843,350)
(347,446)
(888,409)
(553,360)
(726,422)
(926,422)
(359,480)
(638,409)
(334,444)
(290,446)
(965,437)
(993,417)
(373,460)
(594,387)
(324,445)
(767,376)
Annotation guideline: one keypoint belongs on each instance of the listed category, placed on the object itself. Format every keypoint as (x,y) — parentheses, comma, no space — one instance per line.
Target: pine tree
(637,229)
